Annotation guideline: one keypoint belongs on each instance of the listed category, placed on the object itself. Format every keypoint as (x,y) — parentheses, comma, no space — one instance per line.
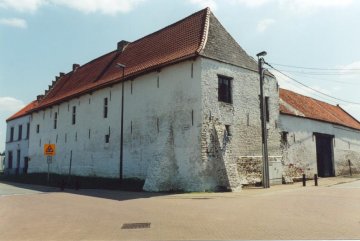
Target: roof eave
(115,81)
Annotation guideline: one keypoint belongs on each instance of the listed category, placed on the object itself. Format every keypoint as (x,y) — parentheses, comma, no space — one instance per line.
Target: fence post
(304,180)
(316,179)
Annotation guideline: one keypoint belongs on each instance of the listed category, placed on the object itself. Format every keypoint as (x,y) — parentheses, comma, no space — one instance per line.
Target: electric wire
(312,68)
(315,90)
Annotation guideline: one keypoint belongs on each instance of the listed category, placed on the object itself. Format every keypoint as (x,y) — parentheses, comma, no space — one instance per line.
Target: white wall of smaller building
(299,153)
(19,146)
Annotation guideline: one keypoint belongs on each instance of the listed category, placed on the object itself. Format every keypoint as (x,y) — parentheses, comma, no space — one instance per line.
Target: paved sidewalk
(329,211)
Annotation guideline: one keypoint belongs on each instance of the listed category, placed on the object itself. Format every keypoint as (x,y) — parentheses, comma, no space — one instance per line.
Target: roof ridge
(177,22)
(205,31)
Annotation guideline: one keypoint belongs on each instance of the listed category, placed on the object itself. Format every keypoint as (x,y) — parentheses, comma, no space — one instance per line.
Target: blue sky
(40,38)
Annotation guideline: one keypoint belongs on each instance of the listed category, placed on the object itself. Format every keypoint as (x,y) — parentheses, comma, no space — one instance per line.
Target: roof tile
(316,109)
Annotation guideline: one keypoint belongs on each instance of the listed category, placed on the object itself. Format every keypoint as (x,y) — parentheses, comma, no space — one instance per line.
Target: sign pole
(48,175)
(49,152)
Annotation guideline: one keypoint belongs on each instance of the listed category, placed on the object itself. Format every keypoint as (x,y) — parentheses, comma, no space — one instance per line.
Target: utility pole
(265,172)
(122,122)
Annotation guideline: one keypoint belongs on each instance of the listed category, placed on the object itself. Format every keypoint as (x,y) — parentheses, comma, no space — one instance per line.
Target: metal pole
(265,175)
(122,125)
(48,174)
(350,167)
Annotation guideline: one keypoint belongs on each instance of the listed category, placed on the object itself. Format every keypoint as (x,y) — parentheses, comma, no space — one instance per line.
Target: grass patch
(76,182)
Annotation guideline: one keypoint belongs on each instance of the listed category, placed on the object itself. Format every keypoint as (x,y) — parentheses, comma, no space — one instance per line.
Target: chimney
(57,78)
(61,74)
(122,45)
(39,97)
(75,66)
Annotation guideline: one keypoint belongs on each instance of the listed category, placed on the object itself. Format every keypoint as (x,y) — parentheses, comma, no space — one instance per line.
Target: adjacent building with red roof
(317,138)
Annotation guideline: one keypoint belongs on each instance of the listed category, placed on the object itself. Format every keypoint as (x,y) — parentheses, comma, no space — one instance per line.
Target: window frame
(12,131)
(225,89)
(20,132)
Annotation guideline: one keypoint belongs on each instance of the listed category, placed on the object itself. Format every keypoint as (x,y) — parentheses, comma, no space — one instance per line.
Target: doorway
(324,155)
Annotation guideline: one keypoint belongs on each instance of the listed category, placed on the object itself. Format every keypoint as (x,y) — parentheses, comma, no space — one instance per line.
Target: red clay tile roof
(24,111)
(179,41)
(306,107)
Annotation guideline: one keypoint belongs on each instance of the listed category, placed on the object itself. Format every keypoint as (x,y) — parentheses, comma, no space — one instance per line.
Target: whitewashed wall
(300,152)
(16,144)
(162,147)
(241,154)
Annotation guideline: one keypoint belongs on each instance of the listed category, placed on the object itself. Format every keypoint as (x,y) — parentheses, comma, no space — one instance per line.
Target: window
(105,107)
(267,112)
(37,128)
(224,89)
(55,120)
(12,134)
(284,137)
(20,132)
(27,130)
(73,121)
(107,138)
(10,159)
(227,127)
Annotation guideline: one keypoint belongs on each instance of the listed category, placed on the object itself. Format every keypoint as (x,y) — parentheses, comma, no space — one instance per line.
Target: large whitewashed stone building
(317,138)
(191,111)
(190,116)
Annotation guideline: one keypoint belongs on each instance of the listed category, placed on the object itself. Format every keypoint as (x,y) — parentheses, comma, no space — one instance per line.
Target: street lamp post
(265,172)
(122,66)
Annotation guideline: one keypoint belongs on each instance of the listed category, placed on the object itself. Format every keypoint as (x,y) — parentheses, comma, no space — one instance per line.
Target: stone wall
(299,152)
(243,117)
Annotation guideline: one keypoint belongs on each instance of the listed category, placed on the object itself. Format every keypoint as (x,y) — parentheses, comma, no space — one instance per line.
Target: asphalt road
(281,212)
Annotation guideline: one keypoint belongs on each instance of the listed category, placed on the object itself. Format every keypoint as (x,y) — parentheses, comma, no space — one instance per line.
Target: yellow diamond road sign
(49,149)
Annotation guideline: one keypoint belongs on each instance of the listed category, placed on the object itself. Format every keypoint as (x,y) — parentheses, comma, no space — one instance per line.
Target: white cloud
(310,6)
(22,5)
(205,3)
(13,22)
(264,24)
(104,6)
(110,7)
(250,3)
(10,104)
